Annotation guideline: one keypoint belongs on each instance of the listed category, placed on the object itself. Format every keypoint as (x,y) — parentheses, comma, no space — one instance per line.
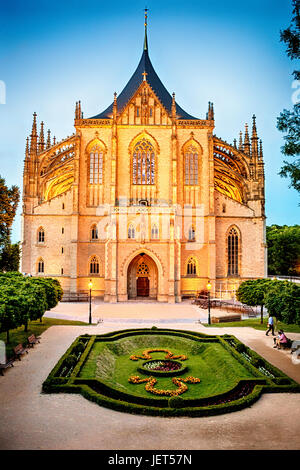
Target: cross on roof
(144,75)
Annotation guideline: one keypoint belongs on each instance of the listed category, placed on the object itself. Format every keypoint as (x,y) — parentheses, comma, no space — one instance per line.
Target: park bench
(19,350)
(32,340)
(226,318)
(6,365)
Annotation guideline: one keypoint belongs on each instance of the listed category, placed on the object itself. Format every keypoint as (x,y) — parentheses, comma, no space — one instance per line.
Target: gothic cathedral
(144,200)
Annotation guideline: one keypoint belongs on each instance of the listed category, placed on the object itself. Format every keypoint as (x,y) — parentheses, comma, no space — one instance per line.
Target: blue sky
(54,53)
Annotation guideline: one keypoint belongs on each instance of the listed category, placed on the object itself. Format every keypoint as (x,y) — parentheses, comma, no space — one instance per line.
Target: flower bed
(156,397)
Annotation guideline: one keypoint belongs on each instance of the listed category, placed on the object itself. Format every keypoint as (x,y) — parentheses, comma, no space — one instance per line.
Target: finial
(210,113)
(146,24)
(34,131)
(144,76)
(115,106)
(54,140)
(234,143)
(48,145)
(41,139)
(173,105)
(27,146)
(254,131)
(241,141)
(260,150)
(33,136)
(246,141)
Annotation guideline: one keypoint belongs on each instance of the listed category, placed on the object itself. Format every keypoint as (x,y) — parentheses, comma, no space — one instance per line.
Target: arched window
(142,269)
(94,265)
(192,236)
(41,235)
(191,267)
(233,252)
(94,232)
(131,231)
(41,267)
(154,231)
(143,163)
(96,165)
(191,165)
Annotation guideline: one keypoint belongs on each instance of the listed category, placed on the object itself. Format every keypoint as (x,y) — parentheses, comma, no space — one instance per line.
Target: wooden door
(142,287)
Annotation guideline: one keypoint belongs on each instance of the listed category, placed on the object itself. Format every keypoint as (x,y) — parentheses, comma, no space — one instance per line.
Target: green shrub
(240,347)
(70,361)
(79,348)
(176,402)
(256,362)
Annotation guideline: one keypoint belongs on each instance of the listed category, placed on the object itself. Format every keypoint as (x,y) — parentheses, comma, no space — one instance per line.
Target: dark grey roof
(153,80)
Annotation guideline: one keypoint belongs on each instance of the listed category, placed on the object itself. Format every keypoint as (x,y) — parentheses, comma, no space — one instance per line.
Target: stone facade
(144,200)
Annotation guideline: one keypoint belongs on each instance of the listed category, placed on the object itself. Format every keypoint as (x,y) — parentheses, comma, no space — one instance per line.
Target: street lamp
(90,304)
(208,295)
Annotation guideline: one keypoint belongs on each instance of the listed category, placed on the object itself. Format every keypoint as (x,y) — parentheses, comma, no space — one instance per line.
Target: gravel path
(32,420)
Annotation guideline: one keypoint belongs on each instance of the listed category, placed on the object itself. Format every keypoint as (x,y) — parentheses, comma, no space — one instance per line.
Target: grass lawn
(255,323)
(217,369)
(18,335)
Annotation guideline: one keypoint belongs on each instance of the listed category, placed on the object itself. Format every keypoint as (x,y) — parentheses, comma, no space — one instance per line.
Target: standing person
(270,326)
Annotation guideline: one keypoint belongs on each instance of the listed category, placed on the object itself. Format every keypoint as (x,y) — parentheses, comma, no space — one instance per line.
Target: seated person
(281,339)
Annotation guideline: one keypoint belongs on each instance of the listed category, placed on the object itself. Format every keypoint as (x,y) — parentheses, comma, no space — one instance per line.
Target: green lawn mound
(218,374)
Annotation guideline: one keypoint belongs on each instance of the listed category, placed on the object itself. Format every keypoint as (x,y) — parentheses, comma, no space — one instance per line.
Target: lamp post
(90,303)
(208,295)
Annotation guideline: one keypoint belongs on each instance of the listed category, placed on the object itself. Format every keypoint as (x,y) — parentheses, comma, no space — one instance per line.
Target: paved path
(31,420)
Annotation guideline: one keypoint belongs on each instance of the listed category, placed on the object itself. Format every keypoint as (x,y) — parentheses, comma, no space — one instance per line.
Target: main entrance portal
(142,277)
(142,287)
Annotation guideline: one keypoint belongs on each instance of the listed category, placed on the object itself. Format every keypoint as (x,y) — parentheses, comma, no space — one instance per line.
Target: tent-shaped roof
(145,66)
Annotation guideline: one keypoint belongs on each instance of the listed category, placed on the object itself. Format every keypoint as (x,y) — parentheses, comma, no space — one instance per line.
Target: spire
(115,106)
(246,141)
(146,24)
(48,145)
(210,113)
(241,148)
(234,143)
(54,140)
(173,106)
(260,155)
(254,138)
(27,146)
(33,136)
(41,139)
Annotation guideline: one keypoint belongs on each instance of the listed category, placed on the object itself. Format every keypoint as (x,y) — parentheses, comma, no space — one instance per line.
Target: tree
(283,249)
(10,257)
(52,290)
(283,301)
(253,293)
(9,198)
(289,121)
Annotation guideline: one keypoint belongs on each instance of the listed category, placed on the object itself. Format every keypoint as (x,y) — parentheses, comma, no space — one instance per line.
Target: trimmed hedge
(243,394)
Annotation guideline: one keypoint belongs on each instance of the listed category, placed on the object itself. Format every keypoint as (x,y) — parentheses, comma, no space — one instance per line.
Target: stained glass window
(191,266)
(94,265)
(41,235)
(94,232)
(41,265)
(131,231)
(143,163)
(96,165)
(191,166)
(233,251)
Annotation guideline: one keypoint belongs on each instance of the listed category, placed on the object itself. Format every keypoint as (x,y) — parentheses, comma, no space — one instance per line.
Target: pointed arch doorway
(142,278)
